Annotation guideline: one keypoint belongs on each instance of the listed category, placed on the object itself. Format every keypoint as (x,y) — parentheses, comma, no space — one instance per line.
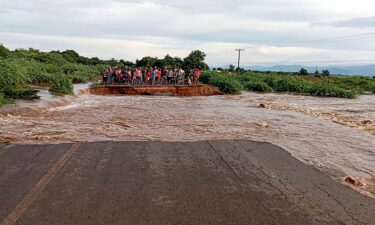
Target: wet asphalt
(208,182)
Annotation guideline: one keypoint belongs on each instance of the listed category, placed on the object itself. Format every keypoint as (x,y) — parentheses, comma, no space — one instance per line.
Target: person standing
(181,73)
(154,75)
(170,76)
(110,76)
(159,75)
(105,76)
(197,74)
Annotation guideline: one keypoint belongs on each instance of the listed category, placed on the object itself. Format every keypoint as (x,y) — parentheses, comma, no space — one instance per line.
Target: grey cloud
(184,23)
(364,22)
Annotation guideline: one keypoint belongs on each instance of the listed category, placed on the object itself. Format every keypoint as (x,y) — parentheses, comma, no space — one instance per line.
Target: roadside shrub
(20,92)
(289,84)
(227,84)
(62,84)
(258,86)
(12,73)
(2,99)
(37,72)
(326,90)
(79,73)
(206,77)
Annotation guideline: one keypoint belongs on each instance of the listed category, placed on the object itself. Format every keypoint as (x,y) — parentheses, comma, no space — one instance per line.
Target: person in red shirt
(118,75)
(197,74)
(159,75)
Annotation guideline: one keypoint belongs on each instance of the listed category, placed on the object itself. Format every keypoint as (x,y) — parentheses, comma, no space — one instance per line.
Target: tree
(303,72)
(126,63)
(326,73)
(94,61)
(231,68)
(113,62)
(70,56)
(240,70)
(4,52)
(146,61)
(196,60)
(168,61)
(83,60)
(178,62)
(317,74)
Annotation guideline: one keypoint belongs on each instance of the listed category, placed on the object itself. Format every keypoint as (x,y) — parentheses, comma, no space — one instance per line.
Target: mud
(199,90)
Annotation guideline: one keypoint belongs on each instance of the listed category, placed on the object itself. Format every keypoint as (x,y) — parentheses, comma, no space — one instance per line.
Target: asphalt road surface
(151,183)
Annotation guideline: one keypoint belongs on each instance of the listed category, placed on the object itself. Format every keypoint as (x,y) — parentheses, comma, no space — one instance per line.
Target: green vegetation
(225,83)
(258,85)
(60,70)
(343,87)
(21,67)
(62,84)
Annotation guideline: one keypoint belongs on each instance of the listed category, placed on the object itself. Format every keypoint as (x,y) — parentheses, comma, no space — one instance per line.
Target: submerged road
(209,182)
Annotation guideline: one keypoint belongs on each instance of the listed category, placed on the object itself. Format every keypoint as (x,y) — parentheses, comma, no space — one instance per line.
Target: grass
(342,87)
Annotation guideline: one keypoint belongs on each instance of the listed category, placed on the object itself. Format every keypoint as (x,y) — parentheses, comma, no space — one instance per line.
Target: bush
(258,86)
(327,90)
(288,84)
(37,72)
(206,77)
(2,99)
(12,73)
(20,92)
(225,83)
(62,84)
(268,82)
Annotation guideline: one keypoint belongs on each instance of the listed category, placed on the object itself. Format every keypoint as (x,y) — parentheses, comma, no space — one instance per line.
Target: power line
(346,37)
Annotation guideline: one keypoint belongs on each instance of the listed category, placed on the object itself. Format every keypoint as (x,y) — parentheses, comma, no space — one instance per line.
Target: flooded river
(334,135)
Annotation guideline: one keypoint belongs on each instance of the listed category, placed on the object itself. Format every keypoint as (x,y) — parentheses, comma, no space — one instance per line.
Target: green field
(343,87)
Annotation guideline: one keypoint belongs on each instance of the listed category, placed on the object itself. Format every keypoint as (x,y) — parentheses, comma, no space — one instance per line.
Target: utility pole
(239,50)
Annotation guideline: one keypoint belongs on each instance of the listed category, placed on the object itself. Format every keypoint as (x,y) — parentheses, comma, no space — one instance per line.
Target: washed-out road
(151,183)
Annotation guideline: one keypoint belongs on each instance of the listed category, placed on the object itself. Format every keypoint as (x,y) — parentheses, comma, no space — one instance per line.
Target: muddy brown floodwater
(334,135)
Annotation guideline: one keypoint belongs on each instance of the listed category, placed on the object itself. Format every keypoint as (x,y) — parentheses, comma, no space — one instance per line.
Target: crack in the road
(340,204)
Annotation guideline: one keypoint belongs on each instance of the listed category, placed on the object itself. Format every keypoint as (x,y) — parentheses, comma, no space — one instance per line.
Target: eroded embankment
(199,90)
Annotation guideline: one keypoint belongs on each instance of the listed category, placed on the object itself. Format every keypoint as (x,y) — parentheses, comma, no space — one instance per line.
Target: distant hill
(364,70)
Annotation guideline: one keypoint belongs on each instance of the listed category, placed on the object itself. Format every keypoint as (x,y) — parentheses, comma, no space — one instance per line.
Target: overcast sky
(271,31)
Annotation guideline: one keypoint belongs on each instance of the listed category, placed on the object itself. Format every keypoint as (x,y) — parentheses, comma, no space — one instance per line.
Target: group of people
(150,76)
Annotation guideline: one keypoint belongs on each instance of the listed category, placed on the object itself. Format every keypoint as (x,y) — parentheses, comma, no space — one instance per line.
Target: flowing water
(334,135)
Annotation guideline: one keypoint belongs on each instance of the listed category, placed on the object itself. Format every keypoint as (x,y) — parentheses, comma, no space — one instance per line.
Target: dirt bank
(199,90)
